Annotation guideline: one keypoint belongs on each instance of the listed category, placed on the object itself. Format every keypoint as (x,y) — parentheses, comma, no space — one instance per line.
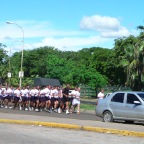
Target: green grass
(87,106)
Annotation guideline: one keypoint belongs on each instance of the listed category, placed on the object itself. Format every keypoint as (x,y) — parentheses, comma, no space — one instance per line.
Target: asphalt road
(25,134)
(90,115)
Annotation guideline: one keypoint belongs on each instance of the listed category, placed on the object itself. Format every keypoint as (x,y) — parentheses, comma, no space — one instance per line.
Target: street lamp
(21,73)
(9,73)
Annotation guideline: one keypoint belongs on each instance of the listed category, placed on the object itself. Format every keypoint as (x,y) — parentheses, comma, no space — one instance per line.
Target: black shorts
(65,99)
(16,99)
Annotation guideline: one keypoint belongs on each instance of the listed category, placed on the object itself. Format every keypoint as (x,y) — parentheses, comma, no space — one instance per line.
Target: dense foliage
(96,66)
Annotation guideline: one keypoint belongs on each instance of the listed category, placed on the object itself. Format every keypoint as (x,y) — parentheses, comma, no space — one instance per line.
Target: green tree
(131,59)
(4,67)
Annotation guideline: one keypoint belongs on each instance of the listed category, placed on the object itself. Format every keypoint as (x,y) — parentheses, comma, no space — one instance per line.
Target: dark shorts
(10,97)
(31,99)
(36,98)
(71,99)
(56,99)
(25,98)
(1,97)
(65,99)
(47,98)
(16,99)
(60,99)
(52,100)
(5,97)
(42,99)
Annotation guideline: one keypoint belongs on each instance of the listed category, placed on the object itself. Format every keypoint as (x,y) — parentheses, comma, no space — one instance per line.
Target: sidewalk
(96,126)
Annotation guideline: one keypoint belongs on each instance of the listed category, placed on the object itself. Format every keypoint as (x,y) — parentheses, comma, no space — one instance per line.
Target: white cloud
(42,34)
(70,43)
(107,26)
(33,29)
(99,23)
(38,34)
(115,34)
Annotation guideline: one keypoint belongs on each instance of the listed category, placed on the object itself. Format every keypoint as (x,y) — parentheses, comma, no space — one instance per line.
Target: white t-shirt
(34,92)
(9,91)
(25,92)
(47,92)
(73,93)
(42,92)
(60,93)
(17,93)
(76,100)
(100,95)
(55,93)
(51,92)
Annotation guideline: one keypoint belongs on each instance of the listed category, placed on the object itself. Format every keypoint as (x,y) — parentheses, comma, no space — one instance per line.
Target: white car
(127,106)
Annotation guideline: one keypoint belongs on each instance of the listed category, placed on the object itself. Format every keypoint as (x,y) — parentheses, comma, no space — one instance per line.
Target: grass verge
(87,106)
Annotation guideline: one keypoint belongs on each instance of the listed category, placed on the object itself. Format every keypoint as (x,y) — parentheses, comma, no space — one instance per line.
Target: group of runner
(49,98)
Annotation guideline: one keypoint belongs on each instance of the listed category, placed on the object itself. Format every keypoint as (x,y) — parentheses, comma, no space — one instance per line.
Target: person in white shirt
(42,99)
(48,98)
(36,98)
(52,98)
(17,98)
(76,100)
(5,97)
(32,99)
(56,99)
(72,95)
(25,95)
(100,94)
(60,96)
(10,96)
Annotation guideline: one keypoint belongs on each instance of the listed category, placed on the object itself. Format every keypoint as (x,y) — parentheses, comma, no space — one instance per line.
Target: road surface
(25,134)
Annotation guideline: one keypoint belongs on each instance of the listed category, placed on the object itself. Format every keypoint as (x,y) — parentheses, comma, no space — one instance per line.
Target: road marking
(78,127)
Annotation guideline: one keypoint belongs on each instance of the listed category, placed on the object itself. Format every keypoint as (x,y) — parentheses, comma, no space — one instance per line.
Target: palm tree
(133,62)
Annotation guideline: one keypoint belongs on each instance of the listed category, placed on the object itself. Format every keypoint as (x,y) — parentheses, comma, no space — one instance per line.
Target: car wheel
(107,116)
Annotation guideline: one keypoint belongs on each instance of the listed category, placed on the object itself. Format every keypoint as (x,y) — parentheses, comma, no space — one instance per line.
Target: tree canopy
(95,66)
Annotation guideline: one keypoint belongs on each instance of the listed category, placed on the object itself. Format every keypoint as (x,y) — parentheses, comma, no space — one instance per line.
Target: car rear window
(141,95)
(119,97)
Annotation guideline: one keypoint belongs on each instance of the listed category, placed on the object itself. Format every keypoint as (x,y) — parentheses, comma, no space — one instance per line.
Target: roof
(46,81)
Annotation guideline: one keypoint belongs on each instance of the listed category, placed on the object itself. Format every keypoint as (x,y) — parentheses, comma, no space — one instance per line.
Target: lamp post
(9,73)
(21,73)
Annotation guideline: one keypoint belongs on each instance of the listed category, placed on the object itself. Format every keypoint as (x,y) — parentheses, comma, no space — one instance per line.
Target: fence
(89,92)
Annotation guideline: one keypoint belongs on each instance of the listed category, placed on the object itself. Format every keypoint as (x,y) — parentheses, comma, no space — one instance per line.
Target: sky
(68,25)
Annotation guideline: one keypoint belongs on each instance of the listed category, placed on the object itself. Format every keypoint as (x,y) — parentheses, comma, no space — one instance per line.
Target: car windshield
(141,95)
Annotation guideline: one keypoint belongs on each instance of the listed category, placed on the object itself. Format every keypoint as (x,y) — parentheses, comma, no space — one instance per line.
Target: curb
(77,127)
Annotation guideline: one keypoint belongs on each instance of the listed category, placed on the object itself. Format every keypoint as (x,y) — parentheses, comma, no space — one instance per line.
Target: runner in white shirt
(17,98)
(76,100)
(25,94)
(56,99)
(52,98)
(72,94)
(5,97)
(48,98)
(60,95)
(32,99)
(10,96)
(36,98)
(42,99)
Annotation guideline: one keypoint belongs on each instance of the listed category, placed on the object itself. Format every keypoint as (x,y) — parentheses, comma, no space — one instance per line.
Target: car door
(132,110)
(116,104)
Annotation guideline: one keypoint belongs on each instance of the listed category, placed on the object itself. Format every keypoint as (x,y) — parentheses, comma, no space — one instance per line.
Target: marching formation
(49,98)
